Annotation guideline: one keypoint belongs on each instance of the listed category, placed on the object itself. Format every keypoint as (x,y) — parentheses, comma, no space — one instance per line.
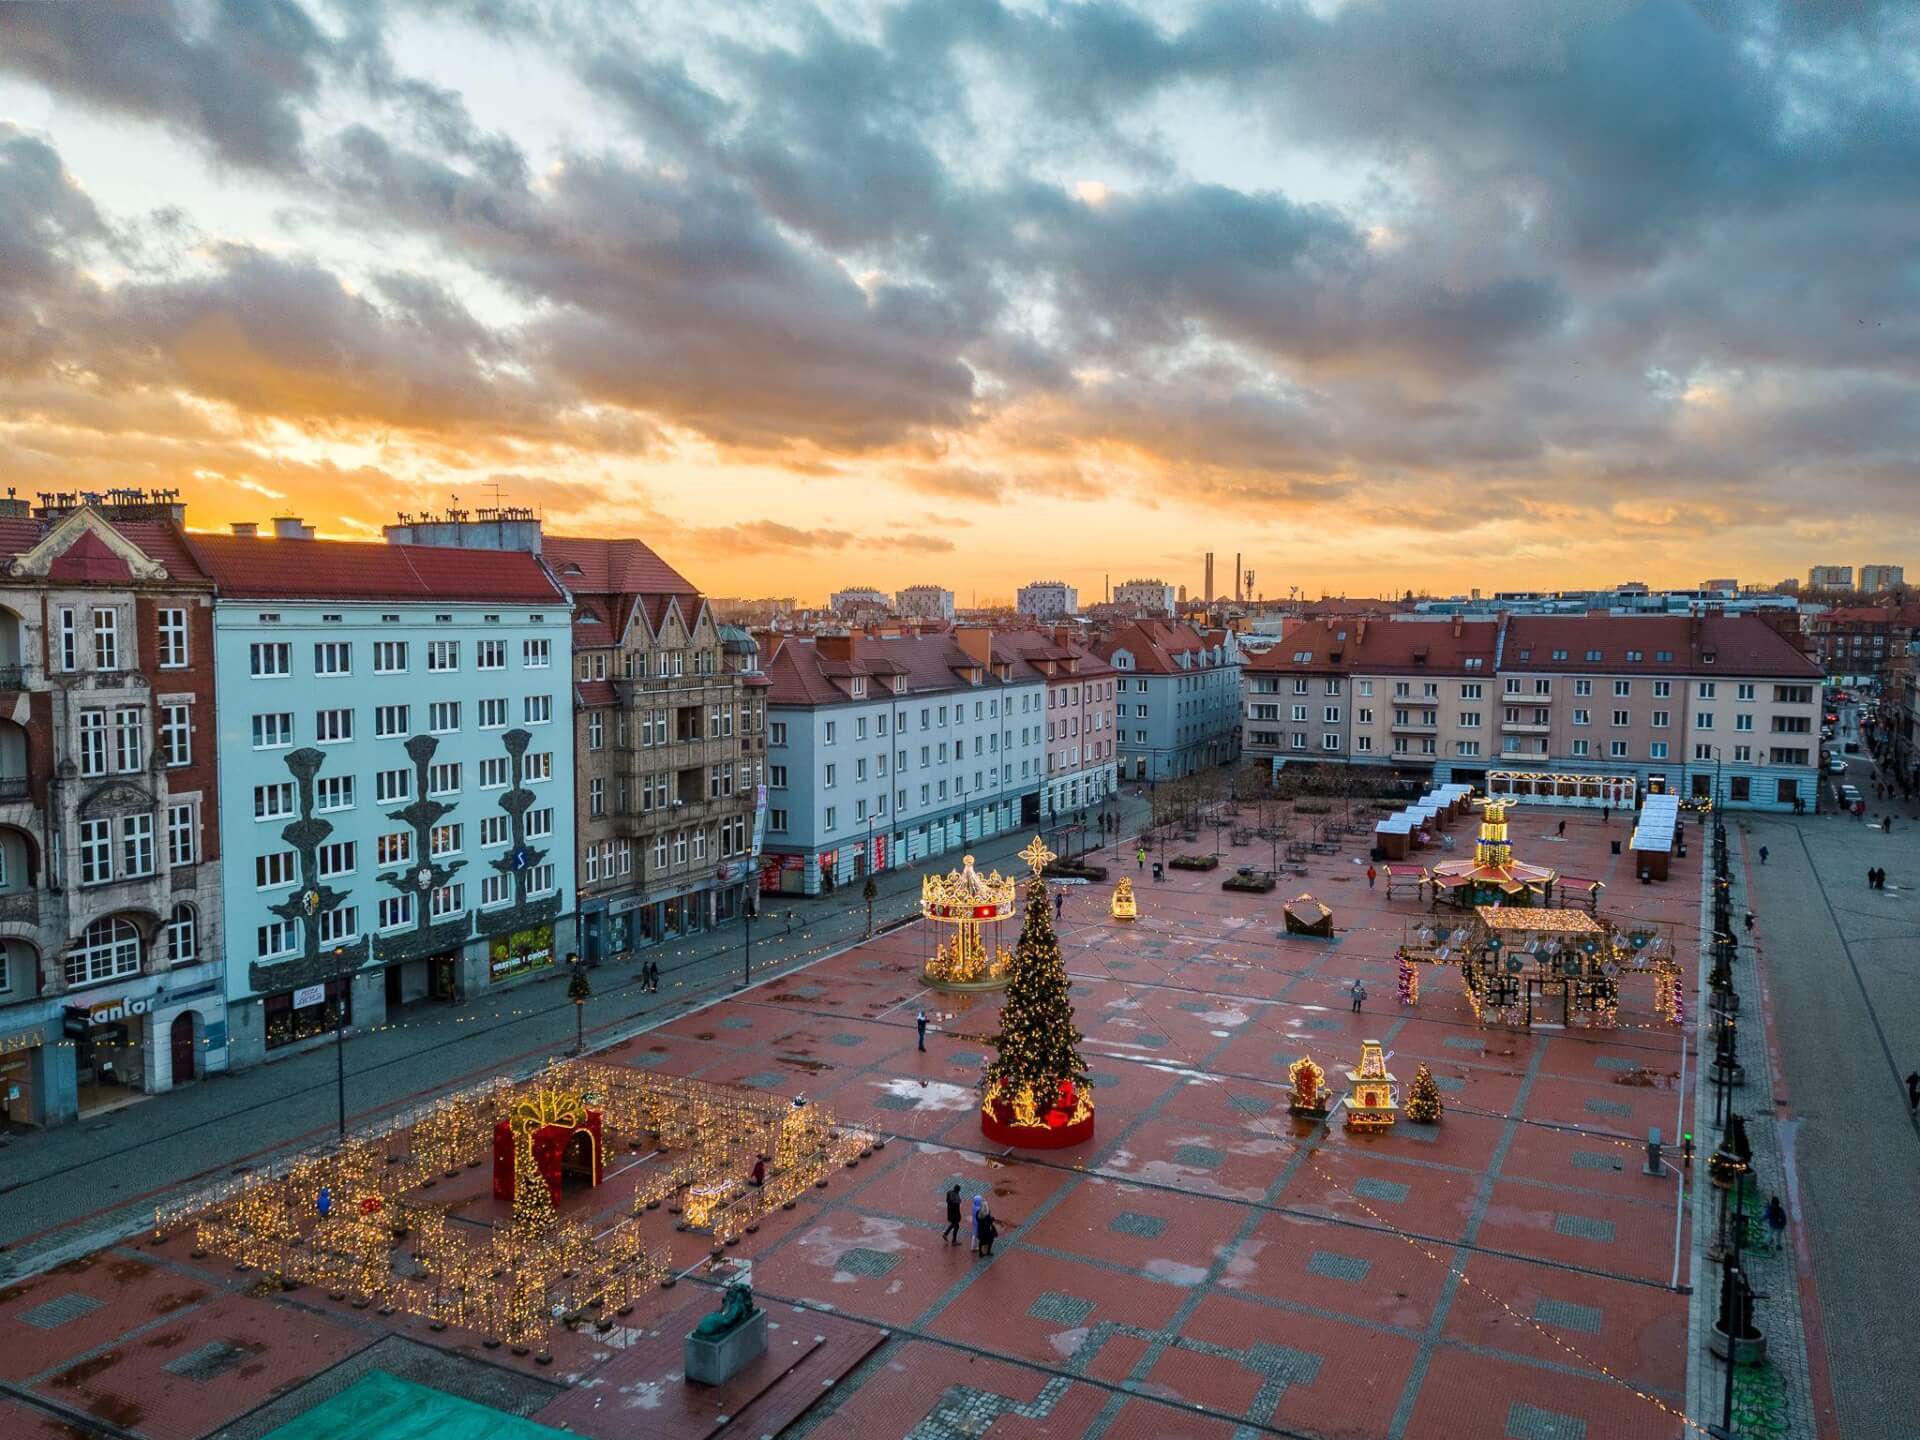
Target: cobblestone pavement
(96,1180)
(1842,970)
(1206,1266)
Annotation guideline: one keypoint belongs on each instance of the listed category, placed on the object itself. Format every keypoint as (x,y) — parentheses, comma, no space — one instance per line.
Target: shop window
(287,1023)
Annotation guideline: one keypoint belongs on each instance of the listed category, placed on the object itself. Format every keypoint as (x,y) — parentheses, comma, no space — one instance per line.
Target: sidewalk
(68,1190)
(1773,1400)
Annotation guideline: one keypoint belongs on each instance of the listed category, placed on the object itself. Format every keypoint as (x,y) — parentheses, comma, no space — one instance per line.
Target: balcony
(1526,727)
(1414,725)
(1521,697)
(13,677)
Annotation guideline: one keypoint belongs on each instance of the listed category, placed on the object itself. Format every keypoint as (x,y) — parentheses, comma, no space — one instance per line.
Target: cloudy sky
(1435,294)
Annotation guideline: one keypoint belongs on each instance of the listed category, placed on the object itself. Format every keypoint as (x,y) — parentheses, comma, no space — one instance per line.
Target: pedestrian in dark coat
(1563,830)
(920,1024)
(1763,854)
(989,1231)
(1359,996)
(952,1233)
(1059,902)
(1913,1090)
(1749,922)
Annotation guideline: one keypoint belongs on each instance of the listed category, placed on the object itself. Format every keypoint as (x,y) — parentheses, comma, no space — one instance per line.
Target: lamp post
(340,1038)
(746,950)
(579,991)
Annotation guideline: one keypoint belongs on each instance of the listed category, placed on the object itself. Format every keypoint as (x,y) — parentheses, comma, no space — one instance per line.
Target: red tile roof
(155,538)
(1156,644)
(1360,645)
(1739,645)
(594,693)
(1035,646)
(798,674)
(367,570)
(611,567)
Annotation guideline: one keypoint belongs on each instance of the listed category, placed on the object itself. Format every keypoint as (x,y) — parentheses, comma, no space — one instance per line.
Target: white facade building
(924,602)
(1047,600)
(1151,595)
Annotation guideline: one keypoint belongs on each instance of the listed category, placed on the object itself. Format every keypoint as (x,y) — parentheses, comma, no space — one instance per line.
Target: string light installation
(1407,979)
(1524,964)
(510,1274)
(964,900)
(1124,906)
(1308,1098)
(1370,1100)
(1035,1091)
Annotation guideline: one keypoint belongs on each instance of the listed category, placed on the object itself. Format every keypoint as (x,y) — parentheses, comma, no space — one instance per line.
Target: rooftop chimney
(291,527)
(834,647)
(976,641)
(246,529)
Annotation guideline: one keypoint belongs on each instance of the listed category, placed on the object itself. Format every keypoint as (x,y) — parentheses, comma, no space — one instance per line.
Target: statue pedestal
(714,1362)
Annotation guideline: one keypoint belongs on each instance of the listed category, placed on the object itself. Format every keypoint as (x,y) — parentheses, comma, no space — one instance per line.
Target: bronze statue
(736,1308)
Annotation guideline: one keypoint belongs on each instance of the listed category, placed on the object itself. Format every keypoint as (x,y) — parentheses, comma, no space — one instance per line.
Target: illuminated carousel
(964,901)
(1492,876)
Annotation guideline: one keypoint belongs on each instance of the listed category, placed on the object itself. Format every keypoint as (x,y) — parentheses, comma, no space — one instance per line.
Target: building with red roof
(396,743)
(110,856)
(1177,697)
(1701,704)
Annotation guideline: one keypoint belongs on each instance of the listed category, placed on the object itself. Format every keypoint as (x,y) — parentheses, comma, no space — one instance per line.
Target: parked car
(1836,766)
(1851,797)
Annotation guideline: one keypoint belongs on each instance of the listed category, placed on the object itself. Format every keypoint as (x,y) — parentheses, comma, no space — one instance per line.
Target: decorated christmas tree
(533,1212)
(1036,1071)
(1423,1100)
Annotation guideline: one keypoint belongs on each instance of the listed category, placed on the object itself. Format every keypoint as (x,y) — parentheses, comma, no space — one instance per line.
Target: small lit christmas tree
(533,1213)
(1423,1099)
(1037,1068)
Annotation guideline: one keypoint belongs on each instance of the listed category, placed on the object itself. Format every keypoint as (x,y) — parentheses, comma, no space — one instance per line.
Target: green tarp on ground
(379,1406)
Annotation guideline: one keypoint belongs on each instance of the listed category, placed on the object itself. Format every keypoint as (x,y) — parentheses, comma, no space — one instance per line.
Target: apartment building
(1177,697)
(110,909)
(924,602)
(1047,600)
(1856,643)
(1083,757)
(670,729)
(1877,579)
(1830,577)
(1674,703)
(396,741)
(1154,596)
(885,749)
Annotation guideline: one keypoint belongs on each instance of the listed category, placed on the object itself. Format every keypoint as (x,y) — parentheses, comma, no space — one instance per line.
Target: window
(536,654)
(106,639)
(1703,720)
(490,655)
(827,821)
(1743,753)
(777,821)
(494,773)
(67,655)
(447,900)
(826,731)
(596,731)
(1467,748)
(1617,749)
(1743,722)
(1662,689)
(1580,748)
(493,714)
(339,925)
(109,948)
(273,802)
(827,777)
(1657,750)
(136,845)
(1470,719)
(1583,717)
(596,797)
(443,655)
(443,779)
(396,911)
(537,709)
(273,869)
(539,766)
(390,787)
(332,727)
(333,792)
(495,830)
(444,840)
(1622,719)
(182,936)
(496,890)
(270,659)
(93,742)
(182,827)
(332,657)
(539,823)
(776,732)
(389,657)
(1743,691)
(1705,689)
(389,721)
(339,858)
(1622,689)
(1329,742)
(777,777)
(395,848)
(1662,719)
(274,939)
(1583,687)
(541,881)
(443,716)
(173,639)
(176,735)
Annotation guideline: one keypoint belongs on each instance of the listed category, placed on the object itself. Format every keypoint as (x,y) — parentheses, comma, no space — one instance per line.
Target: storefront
(435,978)
(519,952)
(20,1059)
(109,1058)
(296,1015)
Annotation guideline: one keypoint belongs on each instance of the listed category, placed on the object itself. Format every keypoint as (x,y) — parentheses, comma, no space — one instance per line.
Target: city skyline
(793,293)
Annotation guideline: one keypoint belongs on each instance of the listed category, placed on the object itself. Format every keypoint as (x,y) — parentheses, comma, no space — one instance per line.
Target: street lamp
(746,950)
(340,1038)
(579,991)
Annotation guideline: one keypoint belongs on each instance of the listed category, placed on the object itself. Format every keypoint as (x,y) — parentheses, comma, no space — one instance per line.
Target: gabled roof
(1156,645)
(89,559)
(1038,646)
(248,567)
(611,567)
(1360,644)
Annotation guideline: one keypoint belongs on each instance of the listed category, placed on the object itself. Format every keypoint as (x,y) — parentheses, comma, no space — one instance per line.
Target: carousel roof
(966,894)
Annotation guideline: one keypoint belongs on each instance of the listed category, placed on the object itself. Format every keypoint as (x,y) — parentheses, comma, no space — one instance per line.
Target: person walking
(989,1231)
(952,1233)
(1059,902)
(653,976)
(1776,1219)
(1562,832)
(1370,874)
(1606,814)
(1749,922)
(1913,1090)
(973,1242)
(1763,854)
(1359,996)
(920,1024)
(1140,857)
